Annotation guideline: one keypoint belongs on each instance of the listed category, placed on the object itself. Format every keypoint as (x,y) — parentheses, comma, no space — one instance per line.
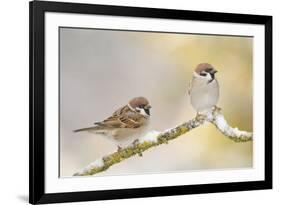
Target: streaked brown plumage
(126,124)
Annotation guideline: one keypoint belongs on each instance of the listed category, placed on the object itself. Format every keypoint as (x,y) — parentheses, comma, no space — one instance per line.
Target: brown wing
(120,119)
(118,122)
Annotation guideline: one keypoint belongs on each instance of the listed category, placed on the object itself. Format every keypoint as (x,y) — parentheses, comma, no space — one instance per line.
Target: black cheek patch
(147,111)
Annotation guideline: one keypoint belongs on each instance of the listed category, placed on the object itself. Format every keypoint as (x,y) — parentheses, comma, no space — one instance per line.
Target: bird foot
(135,142)
(200,117)
(119,149)
(216,109)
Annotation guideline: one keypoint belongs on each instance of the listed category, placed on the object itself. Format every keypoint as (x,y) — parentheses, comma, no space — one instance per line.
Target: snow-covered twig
(154,138)
(232,133)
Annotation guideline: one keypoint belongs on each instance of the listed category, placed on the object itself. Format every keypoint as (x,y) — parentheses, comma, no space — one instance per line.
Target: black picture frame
(37,9)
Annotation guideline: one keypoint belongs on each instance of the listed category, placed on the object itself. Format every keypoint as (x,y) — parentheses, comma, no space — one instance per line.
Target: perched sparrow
(204,88)
(126,124)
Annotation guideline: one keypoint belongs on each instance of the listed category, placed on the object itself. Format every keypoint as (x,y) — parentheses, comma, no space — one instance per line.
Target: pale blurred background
(100,70)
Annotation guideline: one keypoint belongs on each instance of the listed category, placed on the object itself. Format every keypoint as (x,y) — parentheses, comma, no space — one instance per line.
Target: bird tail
(86,129)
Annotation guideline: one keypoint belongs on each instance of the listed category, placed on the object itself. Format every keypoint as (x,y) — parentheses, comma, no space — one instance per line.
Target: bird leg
(135,142)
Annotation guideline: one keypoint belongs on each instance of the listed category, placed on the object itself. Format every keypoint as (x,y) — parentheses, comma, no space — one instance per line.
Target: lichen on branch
(154,138)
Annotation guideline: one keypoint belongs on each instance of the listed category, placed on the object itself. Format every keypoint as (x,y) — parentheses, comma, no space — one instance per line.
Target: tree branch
(154,138)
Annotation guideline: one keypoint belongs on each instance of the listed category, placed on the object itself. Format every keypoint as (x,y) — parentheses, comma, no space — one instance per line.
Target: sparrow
(126,124)
(204,88)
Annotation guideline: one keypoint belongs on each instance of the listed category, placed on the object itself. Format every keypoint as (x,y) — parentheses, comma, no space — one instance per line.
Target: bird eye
(203,74)
(209,69)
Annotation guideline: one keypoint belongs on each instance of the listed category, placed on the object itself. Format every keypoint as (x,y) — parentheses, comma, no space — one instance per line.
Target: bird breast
(125,136)
(204,95)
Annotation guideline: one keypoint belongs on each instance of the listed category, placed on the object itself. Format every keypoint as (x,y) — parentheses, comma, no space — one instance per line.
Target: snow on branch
(154,138)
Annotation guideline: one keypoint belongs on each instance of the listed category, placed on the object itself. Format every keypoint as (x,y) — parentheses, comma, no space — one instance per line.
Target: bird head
(206,72)
(140,105)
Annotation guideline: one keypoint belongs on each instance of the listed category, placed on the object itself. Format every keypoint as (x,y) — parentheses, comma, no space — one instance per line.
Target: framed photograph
(140,102)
